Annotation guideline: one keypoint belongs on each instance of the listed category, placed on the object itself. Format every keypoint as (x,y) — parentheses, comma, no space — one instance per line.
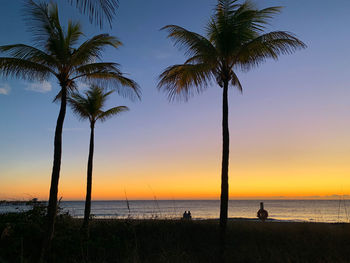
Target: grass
(174,240)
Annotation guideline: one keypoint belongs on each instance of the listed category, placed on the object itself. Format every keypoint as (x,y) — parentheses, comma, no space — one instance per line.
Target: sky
(290,129)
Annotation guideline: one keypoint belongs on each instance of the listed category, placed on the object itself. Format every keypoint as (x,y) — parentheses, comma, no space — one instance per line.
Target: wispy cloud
(41,87)
(5,89)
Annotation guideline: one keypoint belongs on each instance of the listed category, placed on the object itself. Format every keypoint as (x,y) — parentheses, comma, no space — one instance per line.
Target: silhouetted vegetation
(173,240)
(20,202)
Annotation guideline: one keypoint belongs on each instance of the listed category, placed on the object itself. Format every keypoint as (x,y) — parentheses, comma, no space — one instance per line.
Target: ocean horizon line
(192,199)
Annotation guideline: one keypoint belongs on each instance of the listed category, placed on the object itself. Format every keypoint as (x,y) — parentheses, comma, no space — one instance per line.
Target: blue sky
(293,113)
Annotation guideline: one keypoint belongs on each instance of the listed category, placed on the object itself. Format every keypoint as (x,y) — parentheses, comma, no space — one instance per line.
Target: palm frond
(225,11)
(97,10)
(29,53)
(79,105)
(232,27)
(38,20)
(96,98)
(114,79)
(254,19)
(92,49)
(73,33)
(193,43)
(263,16)
(24,69)
(42,21)
(185,80)
(82,70)
(235,81)
(269,45)
(103,116)
(226,8)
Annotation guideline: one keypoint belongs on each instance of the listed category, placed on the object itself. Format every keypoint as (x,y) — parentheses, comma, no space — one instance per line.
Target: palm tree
(56,54)
(235,40)
(90,107)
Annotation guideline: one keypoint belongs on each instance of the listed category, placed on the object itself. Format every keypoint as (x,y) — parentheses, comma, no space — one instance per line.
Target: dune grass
(174,240)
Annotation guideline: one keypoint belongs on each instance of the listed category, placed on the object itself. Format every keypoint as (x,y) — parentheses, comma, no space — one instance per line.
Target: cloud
(4,89)
(41,87)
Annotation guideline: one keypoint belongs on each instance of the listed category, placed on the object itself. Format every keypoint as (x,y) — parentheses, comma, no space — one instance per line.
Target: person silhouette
(189,216)
(185,215)
(262,213)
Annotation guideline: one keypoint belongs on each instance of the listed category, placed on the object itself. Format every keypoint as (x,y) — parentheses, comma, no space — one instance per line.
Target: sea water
(291,210)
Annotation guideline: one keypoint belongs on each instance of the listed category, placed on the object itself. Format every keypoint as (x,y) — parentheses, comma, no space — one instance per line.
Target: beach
(330,211)
(142,240)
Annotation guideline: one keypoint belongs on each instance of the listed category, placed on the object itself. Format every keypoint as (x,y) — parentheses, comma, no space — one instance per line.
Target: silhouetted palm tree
(57,55)
(90,107)
(235,40)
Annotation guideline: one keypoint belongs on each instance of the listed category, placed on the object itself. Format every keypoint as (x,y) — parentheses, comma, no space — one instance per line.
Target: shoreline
(214,220)
(311,211)
(179,218)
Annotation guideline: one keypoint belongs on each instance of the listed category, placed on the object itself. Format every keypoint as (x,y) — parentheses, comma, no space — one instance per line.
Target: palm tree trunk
(89,181)
(52,206)
(225,160)
(224,173)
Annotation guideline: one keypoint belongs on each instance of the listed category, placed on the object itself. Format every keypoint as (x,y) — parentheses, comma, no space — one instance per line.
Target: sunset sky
(290,129)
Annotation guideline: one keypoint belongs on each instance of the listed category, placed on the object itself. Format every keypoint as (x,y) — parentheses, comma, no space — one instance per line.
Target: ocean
(332,211)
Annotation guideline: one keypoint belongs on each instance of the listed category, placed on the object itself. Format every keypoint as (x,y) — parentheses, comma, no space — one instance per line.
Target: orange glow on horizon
(205,186)
(254,174)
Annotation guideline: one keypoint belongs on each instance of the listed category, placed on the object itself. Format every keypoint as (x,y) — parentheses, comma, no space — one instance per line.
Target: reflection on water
(294,210)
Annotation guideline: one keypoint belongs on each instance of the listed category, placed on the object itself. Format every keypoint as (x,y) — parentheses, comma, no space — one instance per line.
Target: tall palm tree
(90,107)
(56,54)
(235,40)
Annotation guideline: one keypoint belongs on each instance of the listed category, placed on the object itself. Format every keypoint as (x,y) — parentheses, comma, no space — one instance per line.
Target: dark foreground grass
(175,241)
